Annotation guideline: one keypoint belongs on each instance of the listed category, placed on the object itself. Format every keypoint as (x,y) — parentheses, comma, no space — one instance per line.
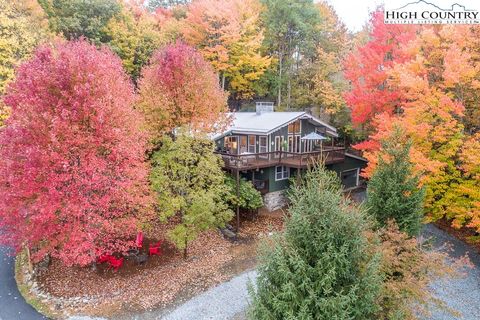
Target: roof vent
(263,107)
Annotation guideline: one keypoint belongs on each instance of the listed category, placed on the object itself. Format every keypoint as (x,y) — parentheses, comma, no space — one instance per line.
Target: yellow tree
(22,27)
(246,62)
(133,34)
(319,82)
(228,34)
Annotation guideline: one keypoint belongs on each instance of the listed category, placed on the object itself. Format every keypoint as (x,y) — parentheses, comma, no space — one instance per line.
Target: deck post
(238,196)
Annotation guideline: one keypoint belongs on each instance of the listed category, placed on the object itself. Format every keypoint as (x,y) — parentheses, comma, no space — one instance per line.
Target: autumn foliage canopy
(72,169)
(424,81)
(179,88)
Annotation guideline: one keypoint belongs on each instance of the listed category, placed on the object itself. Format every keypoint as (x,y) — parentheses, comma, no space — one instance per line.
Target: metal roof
(268,122)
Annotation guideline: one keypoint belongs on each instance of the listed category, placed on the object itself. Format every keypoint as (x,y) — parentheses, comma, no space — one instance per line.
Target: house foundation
(274,200)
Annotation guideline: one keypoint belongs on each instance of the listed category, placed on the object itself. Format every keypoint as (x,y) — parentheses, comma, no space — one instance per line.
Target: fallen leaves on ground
(163,279)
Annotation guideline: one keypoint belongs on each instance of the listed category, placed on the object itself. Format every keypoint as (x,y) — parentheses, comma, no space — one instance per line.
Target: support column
(238,196)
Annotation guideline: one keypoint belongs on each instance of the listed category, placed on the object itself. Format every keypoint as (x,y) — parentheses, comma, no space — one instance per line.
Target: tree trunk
(29,259)
(238,197)
(289,91)
(185,252)
(223,81)
(280,70)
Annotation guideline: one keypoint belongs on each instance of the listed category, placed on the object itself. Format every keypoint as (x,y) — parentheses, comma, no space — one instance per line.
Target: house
(268,148)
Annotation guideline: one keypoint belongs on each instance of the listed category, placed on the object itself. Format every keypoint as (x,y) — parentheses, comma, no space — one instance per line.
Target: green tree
(80,18)
(322,266)
(290,31)
(249,197)
(189,184)
(393,192)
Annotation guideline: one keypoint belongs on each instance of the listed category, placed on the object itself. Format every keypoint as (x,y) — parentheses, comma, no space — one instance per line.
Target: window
(251,144)
(282,173)
(279,143)
(294,127)
(294,144)
(231,145)
(243,144)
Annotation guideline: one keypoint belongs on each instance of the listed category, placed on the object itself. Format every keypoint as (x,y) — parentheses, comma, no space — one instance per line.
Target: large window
(231,144)
(282,173)
(251,144)
(294,127)
(243,144)
(279,143)
(294,144)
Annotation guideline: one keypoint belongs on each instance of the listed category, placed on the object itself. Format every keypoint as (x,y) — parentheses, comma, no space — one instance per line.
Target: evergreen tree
(393,191)
(322,266)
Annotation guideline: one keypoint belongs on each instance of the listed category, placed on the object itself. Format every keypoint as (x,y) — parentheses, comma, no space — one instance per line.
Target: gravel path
(230,299)
(461,294)
(225,301)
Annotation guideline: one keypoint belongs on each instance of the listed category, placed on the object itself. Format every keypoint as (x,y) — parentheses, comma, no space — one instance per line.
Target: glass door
(231,144)
(262,146)
(243,144)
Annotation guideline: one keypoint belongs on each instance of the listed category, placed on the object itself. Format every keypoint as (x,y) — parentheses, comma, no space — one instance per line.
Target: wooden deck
(282,158)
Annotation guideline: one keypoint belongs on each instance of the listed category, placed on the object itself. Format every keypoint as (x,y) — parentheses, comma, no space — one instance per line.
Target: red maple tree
(180,88)
(72,170)
(366,68)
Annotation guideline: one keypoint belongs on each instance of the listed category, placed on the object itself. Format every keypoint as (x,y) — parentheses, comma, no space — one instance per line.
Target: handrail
(325,150)
(239,161)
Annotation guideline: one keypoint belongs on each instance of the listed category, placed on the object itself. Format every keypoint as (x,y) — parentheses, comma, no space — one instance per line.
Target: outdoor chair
(155,249)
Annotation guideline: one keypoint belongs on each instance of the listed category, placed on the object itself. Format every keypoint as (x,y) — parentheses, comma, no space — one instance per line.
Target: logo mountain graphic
(453,7)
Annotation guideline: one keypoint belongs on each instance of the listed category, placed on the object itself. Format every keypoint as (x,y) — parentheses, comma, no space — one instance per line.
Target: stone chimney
(263,107)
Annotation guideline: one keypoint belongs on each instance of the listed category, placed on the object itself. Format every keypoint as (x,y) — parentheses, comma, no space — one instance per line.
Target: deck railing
(247,161)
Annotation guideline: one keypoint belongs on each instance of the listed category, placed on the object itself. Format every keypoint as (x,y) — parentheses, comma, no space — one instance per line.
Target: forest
(99,99)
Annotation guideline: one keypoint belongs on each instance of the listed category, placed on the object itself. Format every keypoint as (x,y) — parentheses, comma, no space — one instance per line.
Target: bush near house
(189,184)
(249,197)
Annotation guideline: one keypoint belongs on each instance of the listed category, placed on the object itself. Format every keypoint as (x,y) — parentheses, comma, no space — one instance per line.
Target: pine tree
(322,266)
(393,192)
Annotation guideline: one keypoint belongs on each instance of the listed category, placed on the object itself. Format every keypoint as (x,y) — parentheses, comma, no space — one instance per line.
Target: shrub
(249,197)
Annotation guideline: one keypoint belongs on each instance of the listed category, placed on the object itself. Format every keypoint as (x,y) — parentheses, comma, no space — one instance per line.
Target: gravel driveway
(461,294)
(230,299)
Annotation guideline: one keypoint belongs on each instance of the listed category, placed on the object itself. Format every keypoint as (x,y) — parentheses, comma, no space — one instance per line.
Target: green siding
(349,163)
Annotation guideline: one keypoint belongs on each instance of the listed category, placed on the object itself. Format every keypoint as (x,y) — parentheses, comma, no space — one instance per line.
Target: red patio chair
(115,263)
(103,258)
(155,249)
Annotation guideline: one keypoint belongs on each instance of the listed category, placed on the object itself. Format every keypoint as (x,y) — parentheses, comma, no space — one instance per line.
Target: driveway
(461,294)
(12,304)
(229,300)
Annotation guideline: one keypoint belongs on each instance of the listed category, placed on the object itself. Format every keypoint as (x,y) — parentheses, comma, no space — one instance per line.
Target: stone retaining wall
(274,200)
